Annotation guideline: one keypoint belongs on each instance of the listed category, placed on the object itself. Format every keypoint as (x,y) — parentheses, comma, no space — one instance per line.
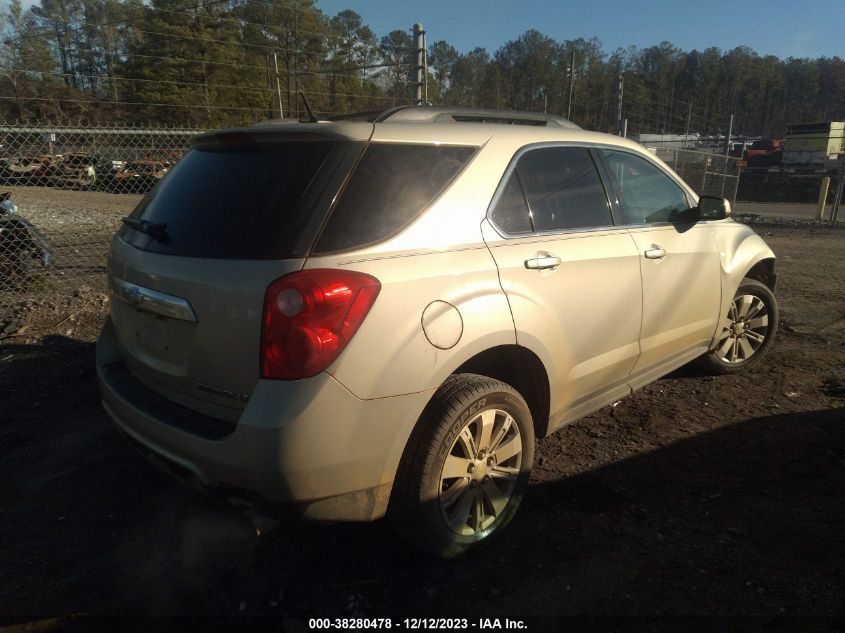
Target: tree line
(227,62)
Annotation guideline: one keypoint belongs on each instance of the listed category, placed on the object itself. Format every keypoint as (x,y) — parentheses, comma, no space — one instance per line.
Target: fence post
(837,200)
(823,189)
(278,84)
(736,185)
(728,139)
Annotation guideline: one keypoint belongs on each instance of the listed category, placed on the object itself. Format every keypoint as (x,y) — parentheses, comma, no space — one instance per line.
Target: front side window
(647,194)
(552,189)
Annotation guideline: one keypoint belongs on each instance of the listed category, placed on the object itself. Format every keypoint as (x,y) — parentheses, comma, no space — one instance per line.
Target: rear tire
(466,466)
(749,332)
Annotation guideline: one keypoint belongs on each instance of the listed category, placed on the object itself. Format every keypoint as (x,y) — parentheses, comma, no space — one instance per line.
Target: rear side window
(241,202)
(511,213)
(391,186)
(553,189)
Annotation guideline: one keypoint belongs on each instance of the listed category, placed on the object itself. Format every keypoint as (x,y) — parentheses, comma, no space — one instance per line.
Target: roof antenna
(312,118)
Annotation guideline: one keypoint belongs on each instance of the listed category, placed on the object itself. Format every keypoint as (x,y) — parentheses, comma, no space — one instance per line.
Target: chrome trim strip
(152,300)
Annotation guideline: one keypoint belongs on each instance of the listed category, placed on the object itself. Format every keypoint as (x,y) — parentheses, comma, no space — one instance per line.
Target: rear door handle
(655,252)
(543,261)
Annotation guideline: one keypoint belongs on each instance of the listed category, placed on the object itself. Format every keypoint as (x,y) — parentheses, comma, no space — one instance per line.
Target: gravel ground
(56,210)
(699,503)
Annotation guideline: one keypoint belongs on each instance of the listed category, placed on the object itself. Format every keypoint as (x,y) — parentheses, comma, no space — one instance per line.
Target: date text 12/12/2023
(414,624)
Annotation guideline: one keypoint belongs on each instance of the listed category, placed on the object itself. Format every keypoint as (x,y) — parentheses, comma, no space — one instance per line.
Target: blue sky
(783,28)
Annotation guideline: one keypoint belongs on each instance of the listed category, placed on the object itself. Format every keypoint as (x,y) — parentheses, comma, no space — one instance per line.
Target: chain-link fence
(72,186)
(113,159)
(65,190)
(706,172)
(53,247)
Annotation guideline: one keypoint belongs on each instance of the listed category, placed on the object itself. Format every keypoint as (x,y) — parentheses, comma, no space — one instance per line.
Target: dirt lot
(698,496)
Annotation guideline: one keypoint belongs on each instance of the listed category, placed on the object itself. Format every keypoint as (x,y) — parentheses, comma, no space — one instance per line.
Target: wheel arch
(523,370)
(743,254)
(764,272)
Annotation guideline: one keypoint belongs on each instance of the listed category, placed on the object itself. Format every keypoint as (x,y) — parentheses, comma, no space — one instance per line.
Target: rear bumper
(308,443)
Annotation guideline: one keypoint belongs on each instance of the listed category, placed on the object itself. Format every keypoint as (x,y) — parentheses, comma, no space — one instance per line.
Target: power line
(207,86)
(178,36)
(141,80)
(168,58)
(336,72)
(80,25)
(166,105)
(134,103)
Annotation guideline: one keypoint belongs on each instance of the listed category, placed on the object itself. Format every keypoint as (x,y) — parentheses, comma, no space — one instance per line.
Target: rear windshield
(242,202)
(391,186)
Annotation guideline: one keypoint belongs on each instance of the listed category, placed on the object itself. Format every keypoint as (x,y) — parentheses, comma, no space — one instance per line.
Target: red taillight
(309,317)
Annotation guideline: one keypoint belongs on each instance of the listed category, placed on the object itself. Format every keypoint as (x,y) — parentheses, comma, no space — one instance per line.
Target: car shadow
(745,519)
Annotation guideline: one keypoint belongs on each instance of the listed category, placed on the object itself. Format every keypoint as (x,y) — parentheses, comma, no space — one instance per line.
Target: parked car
(24,251)
(136,176)
(26,169)
(76,169)
(360,318)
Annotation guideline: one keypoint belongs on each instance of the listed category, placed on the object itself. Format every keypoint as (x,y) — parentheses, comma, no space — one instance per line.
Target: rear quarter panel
(390,354)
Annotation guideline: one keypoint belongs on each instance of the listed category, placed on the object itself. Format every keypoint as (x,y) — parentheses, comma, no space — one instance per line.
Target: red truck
(764,153)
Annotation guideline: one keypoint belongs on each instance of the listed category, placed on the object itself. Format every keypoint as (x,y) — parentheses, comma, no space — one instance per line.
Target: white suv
(356,318)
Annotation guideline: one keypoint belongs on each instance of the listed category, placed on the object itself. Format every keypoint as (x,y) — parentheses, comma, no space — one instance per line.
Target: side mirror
(714,208)
(686,216)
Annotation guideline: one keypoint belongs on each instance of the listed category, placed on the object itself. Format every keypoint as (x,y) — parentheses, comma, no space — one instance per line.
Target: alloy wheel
(480,472)
(745,332)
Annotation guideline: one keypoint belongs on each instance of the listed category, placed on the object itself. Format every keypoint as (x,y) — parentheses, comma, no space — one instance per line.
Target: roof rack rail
(367,116)
(453,114)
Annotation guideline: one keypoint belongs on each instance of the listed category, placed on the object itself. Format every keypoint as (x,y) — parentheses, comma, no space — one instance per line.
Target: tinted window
(389,188)
(235,203)
(511,212)
(562,189)
(647,194)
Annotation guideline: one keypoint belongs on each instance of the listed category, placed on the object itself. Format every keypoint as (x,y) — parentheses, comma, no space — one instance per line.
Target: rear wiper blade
(154,230)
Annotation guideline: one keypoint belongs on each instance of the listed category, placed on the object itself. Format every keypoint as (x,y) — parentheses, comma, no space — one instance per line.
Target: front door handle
(543,261)
(655,252)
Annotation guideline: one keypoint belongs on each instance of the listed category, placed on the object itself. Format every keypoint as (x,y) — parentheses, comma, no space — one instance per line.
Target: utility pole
(418,65)
(295,52)
(620,87)
(689,117)
(571,84)
(728,139)
(425,66)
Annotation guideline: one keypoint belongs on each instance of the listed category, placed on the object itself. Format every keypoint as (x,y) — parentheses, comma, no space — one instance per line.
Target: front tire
(749,332)
(466,466)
